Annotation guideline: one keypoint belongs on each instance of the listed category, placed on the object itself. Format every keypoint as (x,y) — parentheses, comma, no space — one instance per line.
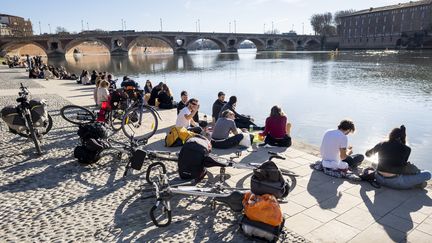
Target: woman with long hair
(165,98)
(277,129)
(394,170)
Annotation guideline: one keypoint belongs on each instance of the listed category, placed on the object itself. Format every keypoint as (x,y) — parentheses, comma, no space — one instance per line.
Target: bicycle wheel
(116,118)
(77,115)
(41,130)
(140,123)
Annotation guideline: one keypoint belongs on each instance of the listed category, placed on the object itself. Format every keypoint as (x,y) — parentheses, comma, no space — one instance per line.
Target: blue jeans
(403,181)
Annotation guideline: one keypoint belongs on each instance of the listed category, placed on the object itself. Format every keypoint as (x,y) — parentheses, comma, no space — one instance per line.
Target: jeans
(354,160)
(228,142)
(403,181)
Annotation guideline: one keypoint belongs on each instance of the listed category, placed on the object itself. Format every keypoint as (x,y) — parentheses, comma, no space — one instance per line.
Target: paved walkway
(319,208)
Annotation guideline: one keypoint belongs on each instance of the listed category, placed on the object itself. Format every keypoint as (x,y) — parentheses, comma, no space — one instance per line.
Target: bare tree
(339,14)
(322,24)
(60,29)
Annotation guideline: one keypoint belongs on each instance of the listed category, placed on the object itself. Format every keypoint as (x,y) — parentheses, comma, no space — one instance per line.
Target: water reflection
(378,90)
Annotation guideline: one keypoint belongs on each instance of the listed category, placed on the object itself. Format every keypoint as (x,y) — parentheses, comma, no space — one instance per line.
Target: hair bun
(402,127)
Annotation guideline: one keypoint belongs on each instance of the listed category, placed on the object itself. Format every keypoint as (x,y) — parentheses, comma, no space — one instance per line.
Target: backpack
(38,112)
(93,130)
(92,144)
(13,119)
(262,218)
(118,100)
(177,136)
(368,174)
(86,156)
(268,179)
(191,157)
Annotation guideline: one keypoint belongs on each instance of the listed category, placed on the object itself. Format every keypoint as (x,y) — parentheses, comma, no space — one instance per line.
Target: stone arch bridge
(120,42)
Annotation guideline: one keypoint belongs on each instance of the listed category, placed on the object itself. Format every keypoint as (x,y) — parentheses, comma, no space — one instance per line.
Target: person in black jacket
(217,106)
(166,100)
(154,93)
(394,170)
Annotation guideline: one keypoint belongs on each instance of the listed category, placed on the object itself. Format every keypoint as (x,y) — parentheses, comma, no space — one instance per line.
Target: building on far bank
(405,25)
(18,26)
(5,30)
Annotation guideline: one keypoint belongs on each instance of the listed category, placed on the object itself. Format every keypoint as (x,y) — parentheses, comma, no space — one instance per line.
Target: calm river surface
(378,90)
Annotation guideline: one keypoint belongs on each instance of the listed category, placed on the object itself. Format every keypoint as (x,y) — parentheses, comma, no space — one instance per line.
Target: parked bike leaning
(28,119)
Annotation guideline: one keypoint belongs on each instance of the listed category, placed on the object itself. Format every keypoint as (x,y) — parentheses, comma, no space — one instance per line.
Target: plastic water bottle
(250,128)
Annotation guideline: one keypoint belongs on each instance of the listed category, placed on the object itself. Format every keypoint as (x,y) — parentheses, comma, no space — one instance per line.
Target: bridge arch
(135,41)
(286,44)
(76,42)
(18,45)
(220,43)
(260,44)
(312,44)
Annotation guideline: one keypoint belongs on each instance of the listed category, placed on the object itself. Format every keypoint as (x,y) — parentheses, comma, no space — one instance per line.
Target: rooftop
(390,7)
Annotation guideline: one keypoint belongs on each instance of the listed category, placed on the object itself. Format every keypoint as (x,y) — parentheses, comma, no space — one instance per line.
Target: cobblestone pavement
(10,78)
(53,198)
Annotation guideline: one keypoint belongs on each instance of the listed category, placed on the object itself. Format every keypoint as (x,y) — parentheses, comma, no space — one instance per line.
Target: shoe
(262,145)
(421,185)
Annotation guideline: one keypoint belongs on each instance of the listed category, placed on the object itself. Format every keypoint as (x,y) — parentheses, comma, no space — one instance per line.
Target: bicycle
(138,121)
(156,175)
(25,125)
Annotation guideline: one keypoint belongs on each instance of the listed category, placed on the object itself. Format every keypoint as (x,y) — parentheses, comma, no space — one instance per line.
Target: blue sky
(180,15)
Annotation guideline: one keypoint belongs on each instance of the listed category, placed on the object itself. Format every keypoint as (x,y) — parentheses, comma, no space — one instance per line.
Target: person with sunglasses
(335,152)
(185,117)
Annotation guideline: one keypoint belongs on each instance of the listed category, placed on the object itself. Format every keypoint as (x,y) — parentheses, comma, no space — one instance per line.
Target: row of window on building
(377,24)
(15,26)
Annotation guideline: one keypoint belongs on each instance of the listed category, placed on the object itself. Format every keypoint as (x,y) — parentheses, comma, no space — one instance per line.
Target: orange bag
(264,209)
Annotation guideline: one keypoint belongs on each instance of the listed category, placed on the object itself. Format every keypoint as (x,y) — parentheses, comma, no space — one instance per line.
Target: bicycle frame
(164,192)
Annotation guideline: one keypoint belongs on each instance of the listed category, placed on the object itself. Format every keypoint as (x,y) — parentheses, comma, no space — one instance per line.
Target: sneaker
(421,185)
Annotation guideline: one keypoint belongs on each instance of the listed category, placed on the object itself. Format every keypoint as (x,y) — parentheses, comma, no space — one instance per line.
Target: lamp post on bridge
(235,26)
(49,27)
(229,27)
(199,26)
(40,29)
(264,28)
(82,25)
(160,24)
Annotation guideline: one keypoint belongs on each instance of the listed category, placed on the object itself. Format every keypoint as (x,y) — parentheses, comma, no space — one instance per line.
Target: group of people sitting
(227,121)
(15,62)
(230,128)
(394,169)
(159,96)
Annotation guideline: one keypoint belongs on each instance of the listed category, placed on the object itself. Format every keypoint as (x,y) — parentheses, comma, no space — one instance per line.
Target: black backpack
(191,157)
(92,143)
(93,130)
(268,179)
(368,174)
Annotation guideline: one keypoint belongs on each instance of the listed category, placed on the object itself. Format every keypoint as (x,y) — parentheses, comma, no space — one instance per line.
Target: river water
(379,90)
